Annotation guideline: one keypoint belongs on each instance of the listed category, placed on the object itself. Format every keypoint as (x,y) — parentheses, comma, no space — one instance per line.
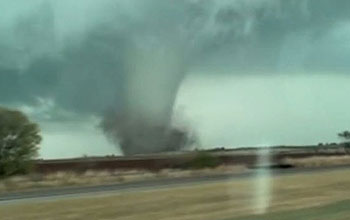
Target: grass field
(317,196)
(319,161)
(36,181)
(334,211)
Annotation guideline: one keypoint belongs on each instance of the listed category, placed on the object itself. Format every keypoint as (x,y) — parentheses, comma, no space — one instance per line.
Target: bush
(19,140)
(344,135)
(204,160)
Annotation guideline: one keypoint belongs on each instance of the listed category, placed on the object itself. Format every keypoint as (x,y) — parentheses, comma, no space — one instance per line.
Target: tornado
(143,124)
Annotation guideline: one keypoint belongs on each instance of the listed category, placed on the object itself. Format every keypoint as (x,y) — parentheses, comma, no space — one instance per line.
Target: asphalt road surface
(71,192)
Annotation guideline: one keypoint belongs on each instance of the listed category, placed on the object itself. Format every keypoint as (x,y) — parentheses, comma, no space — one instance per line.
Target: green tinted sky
(254,72)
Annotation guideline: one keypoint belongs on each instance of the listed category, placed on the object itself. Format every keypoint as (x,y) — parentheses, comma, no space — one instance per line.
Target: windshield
(161,109)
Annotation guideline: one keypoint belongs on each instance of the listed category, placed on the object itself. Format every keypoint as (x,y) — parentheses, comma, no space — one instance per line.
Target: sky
(234,72)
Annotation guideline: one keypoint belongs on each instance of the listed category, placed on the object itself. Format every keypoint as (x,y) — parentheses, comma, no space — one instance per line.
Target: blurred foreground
(319,196)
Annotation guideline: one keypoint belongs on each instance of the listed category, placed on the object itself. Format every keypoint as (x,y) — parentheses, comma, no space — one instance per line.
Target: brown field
(245,157)
(319,161)
(114,170)
(101,177)
(311,196)
(178,160)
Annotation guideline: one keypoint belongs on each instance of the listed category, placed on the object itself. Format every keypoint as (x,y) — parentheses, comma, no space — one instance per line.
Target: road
(72,192)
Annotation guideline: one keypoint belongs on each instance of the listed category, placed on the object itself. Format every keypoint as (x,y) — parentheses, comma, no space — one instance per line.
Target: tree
(19,142)
(345,135)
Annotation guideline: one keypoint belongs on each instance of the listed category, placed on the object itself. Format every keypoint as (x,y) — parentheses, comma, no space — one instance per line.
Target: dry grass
(319,161)
(223,200)
(91,177)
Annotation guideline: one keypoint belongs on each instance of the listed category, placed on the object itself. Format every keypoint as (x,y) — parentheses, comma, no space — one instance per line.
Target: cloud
(81,66)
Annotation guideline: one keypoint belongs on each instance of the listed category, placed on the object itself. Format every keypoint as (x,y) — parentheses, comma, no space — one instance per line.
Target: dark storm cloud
(232,32)
(82,76)
(248,32)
